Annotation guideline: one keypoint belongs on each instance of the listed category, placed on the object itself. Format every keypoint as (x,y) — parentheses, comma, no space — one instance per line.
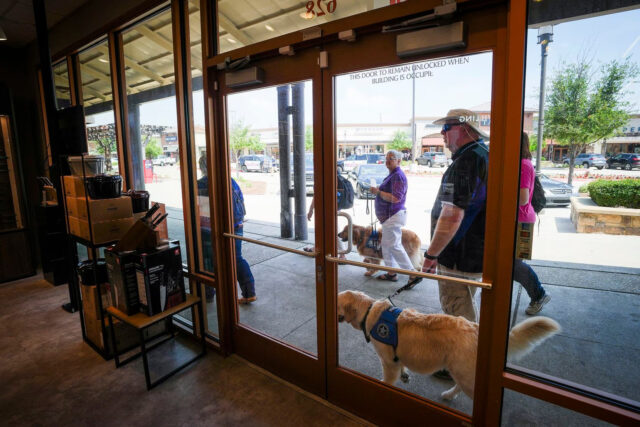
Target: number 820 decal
(330,7)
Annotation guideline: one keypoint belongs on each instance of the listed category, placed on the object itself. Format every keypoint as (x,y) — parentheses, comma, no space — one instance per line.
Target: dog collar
(363,324)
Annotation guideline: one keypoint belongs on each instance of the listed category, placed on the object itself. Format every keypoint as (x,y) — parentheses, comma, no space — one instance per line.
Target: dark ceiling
(18,23)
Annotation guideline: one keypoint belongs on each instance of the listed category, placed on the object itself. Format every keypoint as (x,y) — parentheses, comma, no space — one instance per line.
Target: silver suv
(432,158)
(588,160)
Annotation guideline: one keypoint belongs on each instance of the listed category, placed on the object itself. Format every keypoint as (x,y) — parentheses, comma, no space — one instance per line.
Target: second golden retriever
(360,237)
(431,342)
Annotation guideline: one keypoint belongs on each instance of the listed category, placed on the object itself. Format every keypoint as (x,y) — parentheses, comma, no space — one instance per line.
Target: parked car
(625,161)
(354,160)
(256,163)
(363,176)
(587,160)
(557,193)
(308,172)
(163,160)
(432,158)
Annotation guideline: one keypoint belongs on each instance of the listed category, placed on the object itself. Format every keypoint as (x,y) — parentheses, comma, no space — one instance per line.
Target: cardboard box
(159,278)
(121,269)
(103,231)
(90,300)
(100,209)
(73,186)
(91,314)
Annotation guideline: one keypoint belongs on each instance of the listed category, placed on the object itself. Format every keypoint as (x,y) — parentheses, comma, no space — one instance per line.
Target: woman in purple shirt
(392,214)
(522,272)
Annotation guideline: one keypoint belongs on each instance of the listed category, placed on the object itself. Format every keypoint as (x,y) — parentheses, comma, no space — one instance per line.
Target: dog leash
(409,285)
(372,224)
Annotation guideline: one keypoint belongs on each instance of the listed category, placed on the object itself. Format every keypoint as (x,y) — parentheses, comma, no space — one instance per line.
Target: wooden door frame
(507,41)
(294,365)
(366,396)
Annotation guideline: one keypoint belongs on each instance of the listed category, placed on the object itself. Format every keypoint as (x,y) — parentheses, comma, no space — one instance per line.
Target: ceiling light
(103,60)
(3,36)
(307,15)
(269,27)
(230,40)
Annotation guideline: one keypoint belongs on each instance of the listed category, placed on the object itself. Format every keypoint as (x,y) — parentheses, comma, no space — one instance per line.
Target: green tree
(104,137)
(400,141)
(152,149)
(308,138)
(582,110)
(241,138)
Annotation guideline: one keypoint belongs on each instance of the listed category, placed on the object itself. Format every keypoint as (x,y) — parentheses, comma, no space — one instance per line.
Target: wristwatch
(431,257)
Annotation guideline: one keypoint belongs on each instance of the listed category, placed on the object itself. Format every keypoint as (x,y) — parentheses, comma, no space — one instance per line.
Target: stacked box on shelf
(110,218)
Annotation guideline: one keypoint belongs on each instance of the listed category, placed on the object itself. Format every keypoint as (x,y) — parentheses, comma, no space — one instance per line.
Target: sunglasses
(447,126)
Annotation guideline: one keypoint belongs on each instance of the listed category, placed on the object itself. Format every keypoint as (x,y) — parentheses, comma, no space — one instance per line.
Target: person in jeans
(245,277)
(392,214)
(205,225)
(522,272)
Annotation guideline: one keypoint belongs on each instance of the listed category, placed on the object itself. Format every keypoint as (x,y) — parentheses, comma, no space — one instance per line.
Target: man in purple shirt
(392,214)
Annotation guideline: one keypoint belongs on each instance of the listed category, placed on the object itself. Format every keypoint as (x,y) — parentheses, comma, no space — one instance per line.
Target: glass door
(411,137)
(274,227)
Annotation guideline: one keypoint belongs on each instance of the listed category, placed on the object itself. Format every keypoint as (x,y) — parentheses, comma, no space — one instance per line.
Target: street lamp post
(545,36)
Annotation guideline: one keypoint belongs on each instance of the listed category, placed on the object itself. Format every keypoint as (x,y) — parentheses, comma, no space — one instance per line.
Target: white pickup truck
(163,160)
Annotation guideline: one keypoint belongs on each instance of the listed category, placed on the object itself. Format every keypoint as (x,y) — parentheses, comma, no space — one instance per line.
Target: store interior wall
(19,75)
(18,71)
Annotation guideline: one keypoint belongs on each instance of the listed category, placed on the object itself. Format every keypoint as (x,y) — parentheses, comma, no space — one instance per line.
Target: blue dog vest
(373,242)
(386,328)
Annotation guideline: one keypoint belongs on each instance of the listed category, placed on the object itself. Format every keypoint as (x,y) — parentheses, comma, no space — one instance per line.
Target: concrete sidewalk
(597,308)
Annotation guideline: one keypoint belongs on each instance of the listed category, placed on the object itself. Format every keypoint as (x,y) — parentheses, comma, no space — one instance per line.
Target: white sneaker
(536,306)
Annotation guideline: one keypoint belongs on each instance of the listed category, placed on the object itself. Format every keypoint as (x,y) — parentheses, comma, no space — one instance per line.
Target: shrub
(583,189)
(625,193)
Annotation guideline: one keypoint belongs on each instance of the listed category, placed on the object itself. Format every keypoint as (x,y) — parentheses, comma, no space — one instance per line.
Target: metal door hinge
(323,59)
(286,50)
(319,274)
(347,35)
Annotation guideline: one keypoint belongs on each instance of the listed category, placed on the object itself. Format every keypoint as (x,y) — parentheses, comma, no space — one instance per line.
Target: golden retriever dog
(431,342)
(360,236)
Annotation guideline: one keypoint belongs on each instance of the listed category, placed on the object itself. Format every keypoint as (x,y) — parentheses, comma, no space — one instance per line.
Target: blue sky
(601,39)
(366,100)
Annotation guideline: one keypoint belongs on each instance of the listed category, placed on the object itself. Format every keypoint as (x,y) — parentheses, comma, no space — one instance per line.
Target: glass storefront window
(61,82)
(153,140)
(242,23)
(97,99)
(199,144)
(579,255)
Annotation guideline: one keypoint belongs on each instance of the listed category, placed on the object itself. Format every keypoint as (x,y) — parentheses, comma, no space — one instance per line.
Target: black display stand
(53,239)
(74,284)
(141,322)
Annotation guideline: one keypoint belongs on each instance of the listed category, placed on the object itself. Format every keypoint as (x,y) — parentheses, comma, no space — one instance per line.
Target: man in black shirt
(458,214)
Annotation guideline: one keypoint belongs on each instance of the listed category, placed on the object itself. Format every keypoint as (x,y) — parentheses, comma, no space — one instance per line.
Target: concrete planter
(591,218)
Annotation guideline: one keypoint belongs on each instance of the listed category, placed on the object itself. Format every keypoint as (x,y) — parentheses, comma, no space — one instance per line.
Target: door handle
(350,231)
